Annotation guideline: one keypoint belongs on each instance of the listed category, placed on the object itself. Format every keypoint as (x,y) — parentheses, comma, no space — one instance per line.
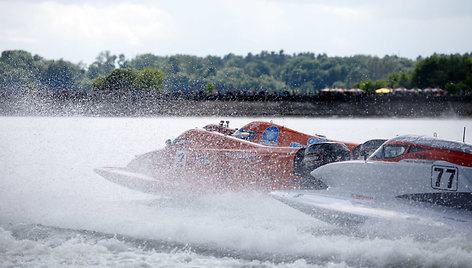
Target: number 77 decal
(444,178)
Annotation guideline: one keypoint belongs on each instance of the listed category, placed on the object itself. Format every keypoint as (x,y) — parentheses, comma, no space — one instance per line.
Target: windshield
(178,142)
(389,151)
(245,134)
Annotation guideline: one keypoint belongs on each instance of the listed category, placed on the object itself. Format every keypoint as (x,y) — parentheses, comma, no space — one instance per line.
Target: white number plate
(444,177)
(180,159)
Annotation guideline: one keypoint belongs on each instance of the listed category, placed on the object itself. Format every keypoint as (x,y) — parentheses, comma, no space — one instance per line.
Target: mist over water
(55,211)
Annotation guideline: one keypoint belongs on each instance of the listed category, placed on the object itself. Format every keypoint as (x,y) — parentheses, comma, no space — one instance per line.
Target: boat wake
(225,230)
(118,245)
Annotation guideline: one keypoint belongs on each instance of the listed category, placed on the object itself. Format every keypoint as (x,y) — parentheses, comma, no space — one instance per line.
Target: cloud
(125,22)
(48,27)
(79,30)
(257,16)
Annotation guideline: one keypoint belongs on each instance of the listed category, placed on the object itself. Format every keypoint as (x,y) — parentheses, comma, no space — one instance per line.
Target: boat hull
(429,181)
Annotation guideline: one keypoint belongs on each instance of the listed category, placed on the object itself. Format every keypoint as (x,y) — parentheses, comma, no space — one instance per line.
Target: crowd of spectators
(226,95)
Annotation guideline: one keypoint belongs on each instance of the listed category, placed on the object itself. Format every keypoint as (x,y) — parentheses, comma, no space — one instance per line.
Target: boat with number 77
(409,178)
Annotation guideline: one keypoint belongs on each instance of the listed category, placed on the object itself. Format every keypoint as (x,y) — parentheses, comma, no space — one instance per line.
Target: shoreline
(355,107)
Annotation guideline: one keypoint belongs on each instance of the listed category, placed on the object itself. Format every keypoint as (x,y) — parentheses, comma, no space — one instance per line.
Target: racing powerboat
(259,156)
(409,178)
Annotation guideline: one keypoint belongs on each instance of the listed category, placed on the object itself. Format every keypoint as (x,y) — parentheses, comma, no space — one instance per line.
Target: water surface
(55,211)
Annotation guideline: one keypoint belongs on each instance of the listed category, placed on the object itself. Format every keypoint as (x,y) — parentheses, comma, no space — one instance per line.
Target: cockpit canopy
(389,151)
(245,134)
(423,148)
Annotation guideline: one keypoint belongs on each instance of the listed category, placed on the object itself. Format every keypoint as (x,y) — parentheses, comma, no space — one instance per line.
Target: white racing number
(444,178)
(180,159)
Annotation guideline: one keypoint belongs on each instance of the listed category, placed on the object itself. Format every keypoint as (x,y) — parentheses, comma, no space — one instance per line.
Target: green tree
(19,69)
(62,75)
(455,89)
(97,83)
(18,59)
(398,80)
(268,83)
(256,69)
(209,88)
(146,60)
(150,79)
(118,79)
(231,78)
(103,64)
(439,71)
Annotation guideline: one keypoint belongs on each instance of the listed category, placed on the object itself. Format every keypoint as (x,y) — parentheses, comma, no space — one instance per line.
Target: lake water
(55,211)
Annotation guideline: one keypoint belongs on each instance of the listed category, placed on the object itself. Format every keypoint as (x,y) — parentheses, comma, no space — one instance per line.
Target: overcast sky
(78,31)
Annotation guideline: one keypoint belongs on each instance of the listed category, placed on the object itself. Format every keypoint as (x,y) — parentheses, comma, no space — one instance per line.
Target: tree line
(452,73)
(268,72)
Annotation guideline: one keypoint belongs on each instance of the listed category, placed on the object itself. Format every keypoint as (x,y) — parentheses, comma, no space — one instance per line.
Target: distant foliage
(453,73)
(122,79)
(20,70)
(126,79)
(268,72)
(450,72)
(150,79)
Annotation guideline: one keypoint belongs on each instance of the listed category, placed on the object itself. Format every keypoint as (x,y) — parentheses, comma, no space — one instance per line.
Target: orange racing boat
(259,156)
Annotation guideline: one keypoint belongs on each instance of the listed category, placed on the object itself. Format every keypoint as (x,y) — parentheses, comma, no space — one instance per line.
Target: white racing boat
(409,178)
